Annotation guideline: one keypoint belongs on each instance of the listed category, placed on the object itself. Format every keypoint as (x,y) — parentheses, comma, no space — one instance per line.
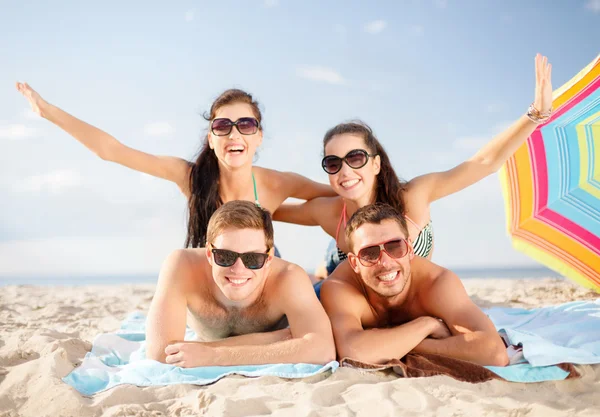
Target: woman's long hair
(389,187)
(204,175)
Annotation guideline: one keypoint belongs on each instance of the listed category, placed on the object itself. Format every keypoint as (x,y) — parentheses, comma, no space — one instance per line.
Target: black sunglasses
(251,260)
(355,159)
(244,125)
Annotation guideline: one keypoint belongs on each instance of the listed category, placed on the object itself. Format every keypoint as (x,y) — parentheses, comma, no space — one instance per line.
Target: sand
(46,331)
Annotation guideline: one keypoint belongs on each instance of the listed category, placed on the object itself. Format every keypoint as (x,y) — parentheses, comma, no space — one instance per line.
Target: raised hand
(35,100)
(543,84)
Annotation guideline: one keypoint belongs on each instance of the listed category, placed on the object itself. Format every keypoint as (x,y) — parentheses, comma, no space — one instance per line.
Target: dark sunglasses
(356,158)
(251,260)
(370,255)
(244,125)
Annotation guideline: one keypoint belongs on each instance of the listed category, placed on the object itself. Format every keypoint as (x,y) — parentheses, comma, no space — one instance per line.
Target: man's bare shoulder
(283,272)
(183,264)
(342,280)
(433,281)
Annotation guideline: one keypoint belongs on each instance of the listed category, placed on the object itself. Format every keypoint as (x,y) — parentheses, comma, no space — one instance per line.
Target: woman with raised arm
(222,172)
(361,173)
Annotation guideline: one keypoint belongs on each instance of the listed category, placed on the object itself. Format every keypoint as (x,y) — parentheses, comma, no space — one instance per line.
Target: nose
(386,260)
(238,266)
(235,133)
(345,169)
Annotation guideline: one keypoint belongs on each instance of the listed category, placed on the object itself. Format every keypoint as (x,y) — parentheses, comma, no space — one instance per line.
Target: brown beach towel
(416,365)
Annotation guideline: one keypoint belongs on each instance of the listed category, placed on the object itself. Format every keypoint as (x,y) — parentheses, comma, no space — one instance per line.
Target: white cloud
(189,15)
(593,5)
(158,129)
(30,115)
(17,131)
(416,30)
(440,4)
(375,27)
(120,255)
(323,74)
(55,181)
(271,3)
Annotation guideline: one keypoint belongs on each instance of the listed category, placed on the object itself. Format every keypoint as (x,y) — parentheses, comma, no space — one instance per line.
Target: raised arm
(310,213)
(167,315)
(474,337)
(345,306)
(311,340)
(494,154)
(106,146)
(303,188)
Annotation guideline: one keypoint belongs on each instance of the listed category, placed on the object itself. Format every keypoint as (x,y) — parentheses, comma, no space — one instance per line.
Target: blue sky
(435,79)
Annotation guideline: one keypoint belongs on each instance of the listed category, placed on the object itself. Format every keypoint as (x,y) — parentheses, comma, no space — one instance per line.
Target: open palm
(35,100)
(543,84)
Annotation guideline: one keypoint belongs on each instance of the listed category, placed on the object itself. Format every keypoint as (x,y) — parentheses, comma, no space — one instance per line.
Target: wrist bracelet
(536,116)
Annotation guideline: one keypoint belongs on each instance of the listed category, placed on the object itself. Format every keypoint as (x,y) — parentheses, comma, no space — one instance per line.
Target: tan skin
(424,309)
(238,314)
(236,170)
(421,191)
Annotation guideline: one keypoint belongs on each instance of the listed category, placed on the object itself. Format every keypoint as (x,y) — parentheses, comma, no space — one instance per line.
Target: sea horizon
(516,272)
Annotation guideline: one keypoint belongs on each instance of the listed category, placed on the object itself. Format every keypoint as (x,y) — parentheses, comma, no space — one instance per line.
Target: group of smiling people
(383,297)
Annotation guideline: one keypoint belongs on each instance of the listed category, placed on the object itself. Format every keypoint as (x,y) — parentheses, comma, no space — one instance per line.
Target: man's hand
(440,330)
(190,354)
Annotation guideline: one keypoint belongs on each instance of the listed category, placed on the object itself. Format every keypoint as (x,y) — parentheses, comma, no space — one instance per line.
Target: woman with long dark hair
(361,173)
(222,172)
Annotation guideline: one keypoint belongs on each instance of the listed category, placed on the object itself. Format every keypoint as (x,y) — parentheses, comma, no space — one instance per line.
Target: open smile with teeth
(238,281)
(349,183)
(235,149)
(390,276)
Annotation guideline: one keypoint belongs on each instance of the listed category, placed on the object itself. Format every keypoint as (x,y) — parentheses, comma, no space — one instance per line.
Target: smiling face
(237,282)
(389,276)
(352,184)
(234,149)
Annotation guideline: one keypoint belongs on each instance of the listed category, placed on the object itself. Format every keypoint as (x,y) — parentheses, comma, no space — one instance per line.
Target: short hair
(374,214)
(240,214)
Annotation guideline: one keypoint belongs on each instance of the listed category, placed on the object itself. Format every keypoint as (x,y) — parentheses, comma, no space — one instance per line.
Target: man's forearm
(253,339)
(383,345)
(309,349)
(478,347)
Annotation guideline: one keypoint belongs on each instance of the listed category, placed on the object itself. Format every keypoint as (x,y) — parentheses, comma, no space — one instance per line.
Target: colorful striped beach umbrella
(551,185)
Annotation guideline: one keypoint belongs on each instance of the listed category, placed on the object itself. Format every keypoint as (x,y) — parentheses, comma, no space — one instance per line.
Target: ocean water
(513,273)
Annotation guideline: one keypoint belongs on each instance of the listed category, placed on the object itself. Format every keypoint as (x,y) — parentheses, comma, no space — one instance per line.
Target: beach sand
(46,331)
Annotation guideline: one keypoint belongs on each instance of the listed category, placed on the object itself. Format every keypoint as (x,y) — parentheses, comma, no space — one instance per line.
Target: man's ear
(411,250)
(353,261)
(209,254)
(271,256)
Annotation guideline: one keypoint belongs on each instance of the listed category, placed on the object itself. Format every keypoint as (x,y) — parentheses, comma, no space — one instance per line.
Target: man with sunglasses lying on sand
(238,298)
(384,302)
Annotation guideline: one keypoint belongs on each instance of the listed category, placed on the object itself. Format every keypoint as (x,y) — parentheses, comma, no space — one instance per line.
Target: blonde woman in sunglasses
(222,172)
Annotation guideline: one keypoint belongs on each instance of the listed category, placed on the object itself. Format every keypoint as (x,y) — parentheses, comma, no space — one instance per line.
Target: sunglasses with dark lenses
(251,260)
(356,158)
(370,255)
(244,125)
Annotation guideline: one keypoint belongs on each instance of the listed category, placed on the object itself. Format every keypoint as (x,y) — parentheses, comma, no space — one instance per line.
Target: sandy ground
(46,331)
